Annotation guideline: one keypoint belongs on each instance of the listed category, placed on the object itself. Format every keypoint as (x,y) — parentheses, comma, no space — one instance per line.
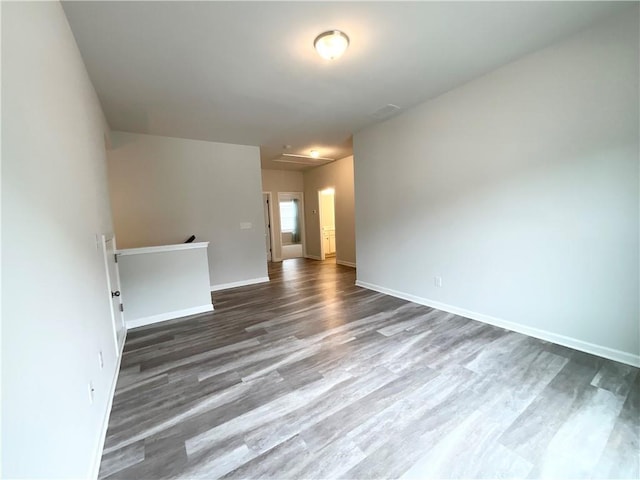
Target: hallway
(309,376)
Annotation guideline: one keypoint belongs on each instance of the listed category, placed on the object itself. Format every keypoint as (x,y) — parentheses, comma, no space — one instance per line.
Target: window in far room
(290,221)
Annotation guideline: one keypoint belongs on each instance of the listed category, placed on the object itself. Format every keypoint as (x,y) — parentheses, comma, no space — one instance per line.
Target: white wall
(55,308)
(280,181)
(339,176)
(165,189)
(519,189)
(162,283)
(327,210)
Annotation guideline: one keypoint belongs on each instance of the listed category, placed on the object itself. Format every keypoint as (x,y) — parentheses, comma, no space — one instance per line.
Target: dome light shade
(332,44)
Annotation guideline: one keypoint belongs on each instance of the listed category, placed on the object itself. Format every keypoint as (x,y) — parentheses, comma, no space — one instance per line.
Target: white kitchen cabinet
(329,239)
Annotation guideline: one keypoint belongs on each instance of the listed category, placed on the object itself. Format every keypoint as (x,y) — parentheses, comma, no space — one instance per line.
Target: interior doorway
(268,215)
(327,219)
(291,209)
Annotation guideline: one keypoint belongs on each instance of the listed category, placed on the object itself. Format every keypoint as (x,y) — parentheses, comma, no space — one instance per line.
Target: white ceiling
(247,73)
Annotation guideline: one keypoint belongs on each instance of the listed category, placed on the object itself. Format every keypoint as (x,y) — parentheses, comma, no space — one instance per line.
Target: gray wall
(165,189)
(55,301)
(519,189)
(276,181)
(339,175)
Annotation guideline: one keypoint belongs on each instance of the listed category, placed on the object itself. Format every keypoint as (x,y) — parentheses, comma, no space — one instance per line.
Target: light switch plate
(245,225)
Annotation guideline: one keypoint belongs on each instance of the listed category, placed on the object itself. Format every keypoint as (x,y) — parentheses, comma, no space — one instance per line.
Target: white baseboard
(312,257)
(241,283)
(95,468)
(599,350)
(345,263)
(140,322)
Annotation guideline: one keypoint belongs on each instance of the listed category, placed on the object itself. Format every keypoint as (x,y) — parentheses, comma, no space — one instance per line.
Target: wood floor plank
(569,391)
(309,376)
(620,456)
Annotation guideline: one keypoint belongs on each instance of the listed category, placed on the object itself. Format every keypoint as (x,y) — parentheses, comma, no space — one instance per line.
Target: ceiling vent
(302,159)
(386,111)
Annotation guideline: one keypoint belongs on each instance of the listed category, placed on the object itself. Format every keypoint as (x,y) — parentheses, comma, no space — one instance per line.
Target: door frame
(322,255)
(303,237)
(115,315)
(320,190)
(270,227)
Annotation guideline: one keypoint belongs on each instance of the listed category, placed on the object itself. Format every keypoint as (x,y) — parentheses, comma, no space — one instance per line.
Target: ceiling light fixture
(302,159)
(308,157)
(331,44)
(315,153)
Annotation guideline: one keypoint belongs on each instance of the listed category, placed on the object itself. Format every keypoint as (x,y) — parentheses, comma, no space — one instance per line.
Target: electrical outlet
(437,281)
(91,392)
(100,360)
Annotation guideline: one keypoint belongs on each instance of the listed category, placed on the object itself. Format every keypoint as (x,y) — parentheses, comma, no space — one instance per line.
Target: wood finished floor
(309,376)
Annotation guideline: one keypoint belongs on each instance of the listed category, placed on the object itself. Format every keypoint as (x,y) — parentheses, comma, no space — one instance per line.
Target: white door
(113,286)
(267,224)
